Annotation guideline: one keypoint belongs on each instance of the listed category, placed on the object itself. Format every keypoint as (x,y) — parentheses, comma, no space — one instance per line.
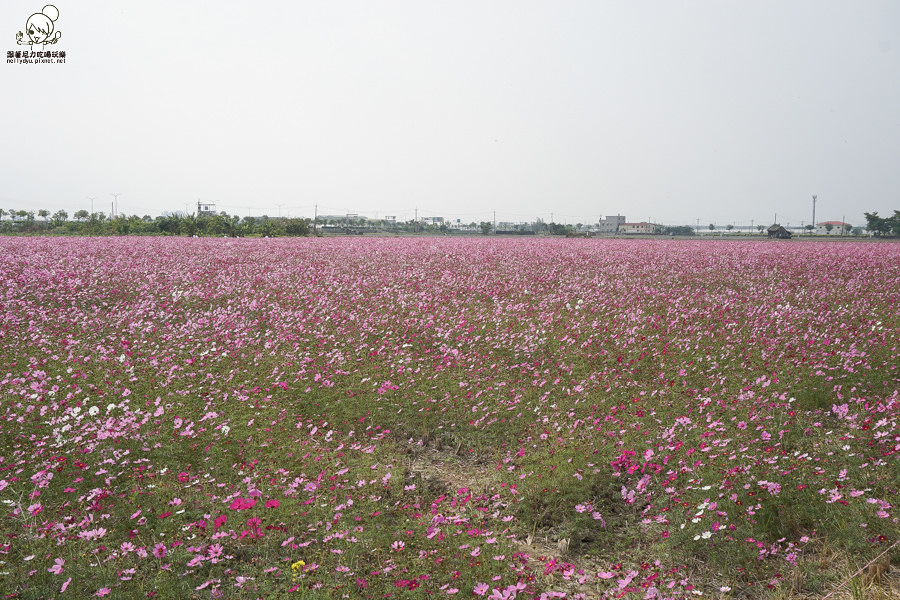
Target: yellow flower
(296,567)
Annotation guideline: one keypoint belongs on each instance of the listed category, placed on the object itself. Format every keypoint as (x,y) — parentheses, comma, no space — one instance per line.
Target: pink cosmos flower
(159,550)
(199,558)
(254,523)
(215,551)
(57,568)
(243,503)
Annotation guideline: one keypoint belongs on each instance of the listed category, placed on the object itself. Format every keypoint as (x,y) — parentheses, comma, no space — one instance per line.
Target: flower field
(429,417)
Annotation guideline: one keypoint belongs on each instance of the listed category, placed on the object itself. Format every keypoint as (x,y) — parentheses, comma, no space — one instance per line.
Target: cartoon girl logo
(39,28)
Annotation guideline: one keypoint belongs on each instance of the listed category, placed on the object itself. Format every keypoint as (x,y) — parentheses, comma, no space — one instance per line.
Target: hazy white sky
(676,111)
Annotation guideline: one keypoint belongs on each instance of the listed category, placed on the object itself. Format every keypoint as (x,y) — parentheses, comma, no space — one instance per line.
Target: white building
(610,224)
(642,227)
(837,228)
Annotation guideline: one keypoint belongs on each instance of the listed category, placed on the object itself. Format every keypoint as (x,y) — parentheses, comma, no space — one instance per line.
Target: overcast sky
(720,111)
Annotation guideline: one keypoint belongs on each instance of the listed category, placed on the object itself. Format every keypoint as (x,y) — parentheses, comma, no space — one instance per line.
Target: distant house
(778,232)
(634,228)
(837,228)
(610,224)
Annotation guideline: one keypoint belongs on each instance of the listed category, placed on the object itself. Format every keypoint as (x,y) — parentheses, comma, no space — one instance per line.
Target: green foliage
(683,230)
(883,226)
(560,229)
(814,398)
(189,226)
(93,224)
(60,217)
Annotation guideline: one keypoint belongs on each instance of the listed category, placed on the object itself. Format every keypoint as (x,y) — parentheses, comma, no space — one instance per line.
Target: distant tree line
(85,223)
(883,226)
(677,230)
(222,224)
(82,222)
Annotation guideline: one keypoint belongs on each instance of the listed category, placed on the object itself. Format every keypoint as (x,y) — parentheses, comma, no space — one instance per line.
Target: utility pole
(495,222)
(279,209)
(92,198)
(417,215)
(814,212)
(315,216)
(843,224)
(116,205)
